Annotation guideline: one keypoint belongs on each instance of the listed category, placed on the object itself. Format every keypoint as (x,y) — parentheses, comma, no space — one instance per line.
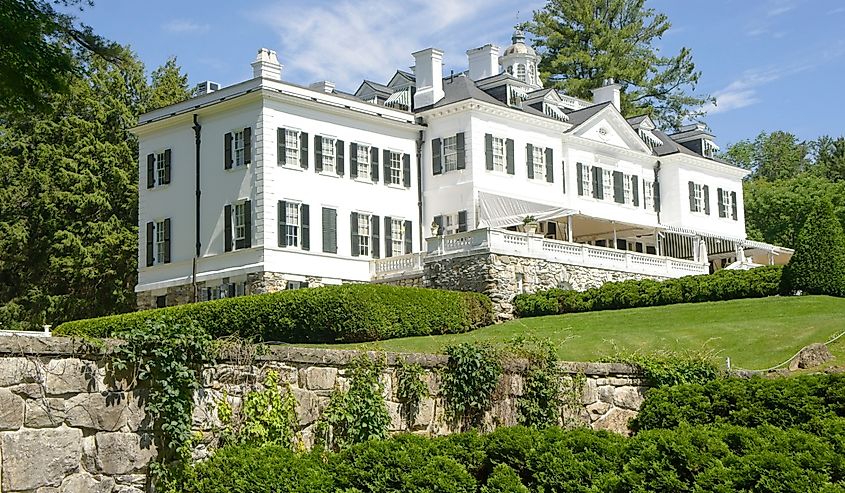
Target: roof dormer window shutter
(550,165)
(436,160)
(247,145)
(529,160)
(151,170)
(227,151)
(488,151)
(461,149)
(511,168)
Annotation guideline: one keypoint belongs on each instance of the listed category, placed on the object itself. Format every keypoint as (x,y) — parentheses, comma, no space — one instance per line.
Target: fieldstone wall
(66,427)
(502,277)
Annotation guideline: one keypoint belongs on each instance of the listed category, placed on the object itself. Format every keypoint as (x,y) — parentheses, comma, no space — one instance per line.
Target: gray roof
(376,87)
(580,116)
(462,88)
(636,120)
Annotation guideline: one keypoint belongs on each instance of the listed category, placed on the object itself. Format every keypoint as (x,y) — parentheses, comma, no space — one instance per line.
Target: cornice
(474,105)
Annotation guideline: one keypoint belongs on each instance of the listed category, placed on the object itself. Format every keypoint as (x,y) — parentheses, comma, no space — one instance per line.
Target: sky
(771,64)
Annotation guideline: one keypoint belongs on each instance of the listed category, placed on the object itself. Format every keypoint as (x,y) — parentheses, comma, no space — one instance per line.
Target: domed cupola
(520,60)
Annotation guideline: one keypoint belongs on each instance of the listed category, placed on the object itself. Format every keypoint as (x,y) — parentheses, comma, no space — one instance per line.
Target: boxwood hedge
(721,286)
(346,313)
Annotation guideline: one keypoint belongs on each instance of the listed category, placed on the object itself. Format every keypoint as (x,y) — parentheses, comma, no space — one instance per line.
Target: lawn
(755,334)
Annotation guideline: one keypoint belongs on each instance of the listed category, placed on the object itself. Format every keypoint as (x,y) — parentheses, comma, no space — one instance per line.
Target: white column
(569,233)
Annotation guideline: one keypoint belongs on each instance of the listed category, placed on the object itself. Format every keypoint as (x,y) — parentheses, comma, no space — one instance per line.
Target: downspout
(659,207)
(420,141)
(197,192)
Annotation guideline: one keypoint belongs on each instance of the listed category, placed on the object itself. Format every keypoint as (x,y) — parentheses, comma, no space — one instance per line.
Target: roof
(461,88)
(578,117)
(375,86)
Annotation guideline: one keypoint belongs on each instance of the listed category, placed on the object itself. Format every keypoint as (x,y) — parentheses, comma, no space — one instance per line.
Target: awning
(497,211)
(693,232)
(400,98)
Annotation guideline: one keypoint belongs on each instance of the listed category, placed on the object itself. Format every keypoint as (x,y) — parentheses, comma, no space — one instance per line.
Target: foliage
(721,286)
(169,85)
(665,368)
(358,414)
(504,479)
(165,358)
(818,265)
(347,313)
(584,42)
(267,416)
(543,395)
(829,154)
(411,388)
(775,156)
(37,52)
(782,402)
(468,381)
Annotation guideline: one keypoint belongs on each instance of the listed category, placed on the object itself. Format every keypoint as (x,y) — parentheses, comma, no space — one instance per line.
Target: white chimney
(266,65)
(429,73)
(483,62)
(610,92)
(323,86)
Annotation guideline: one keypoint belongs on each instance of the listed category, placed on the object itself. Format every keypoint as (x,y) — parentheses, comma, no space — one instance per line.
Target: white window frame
(587,180)
(239,213)
(293,223)
(520,71)
(364,164)
(159,242)
(395,168)
(364,234)
(450,224)
(329,155)
(607,184)
(160,168)
(292,137)
(499,159)
(538,162)
(628,189)
(698,195)
(238,147)
(397,237)
(648,195)
(450,153)
(727,204)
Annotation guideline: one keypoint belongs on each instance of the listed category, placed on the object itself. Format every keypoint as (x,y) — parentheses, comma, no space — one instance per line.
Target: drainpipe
(659,207)
(420,141)
(197,141)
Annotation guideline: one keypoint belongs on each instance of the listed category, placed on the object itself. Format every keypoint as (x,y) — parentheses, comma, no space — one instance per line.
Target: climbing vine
(267,416)
(469,379)
(543,393)
(411,389)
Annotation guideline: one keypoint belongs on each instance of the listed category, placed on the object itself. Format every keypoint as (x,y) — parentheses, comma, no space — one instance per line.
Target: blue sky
(772,64)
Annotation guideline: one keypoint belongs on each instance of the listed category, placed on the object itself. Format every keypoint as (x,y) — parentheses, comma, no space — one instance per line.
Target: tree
(584,42)
(829,154)
(775,156)
(169,85)
(818,265)
(37,49)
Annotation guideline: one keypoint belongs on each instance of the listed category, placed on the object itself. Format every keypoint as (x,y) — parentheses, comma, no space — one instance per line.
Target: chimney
(429,73)
(483,62)
(609,92)
(266,65)
(323,86)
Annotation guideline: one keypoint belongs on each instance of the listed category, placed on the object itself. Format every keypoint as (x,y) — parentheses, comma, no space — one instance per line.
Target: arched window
(520,72)
(531,71)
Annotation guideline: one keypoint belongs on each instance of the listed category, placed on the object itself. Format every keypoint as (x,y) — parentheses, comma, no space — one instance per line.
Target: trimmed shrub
(721,286)
(347,313)
(818,265)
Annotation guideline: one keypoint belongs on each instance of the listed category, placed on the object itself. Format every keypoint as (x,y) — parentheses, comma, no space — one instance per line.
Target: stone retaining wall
(66,427)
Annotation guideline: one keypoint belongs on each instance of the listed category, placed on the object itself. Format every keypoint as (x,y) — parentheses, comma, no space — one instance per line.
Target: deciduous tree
(169,85)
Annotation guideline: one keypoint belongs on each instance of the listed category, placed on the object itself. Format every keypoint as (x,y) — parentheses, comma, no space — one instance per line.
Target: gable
(609,127)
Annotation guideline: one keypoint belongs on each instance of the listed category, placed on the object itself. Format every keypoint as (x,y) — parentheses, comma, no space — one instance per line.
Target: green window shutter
(550,165)
(462,221)
(353,160)
(247,224)
(166,167)
(436,160)
(385,163)
(438,220)
(167,241)
(305,226)
(509,154)
(406,170)
(734,207)
(340,159)
(635,190)
(227,150)
(618,187)
(151,170)
(247,145)
(303,150)
(461,147)
(720,202)
(281,146)
(409,238)
(227,228)
(691,196)
(388,238)
(563,175)
(598,183)
(150,239)
(529,160)
(353,228)
(580,175)
(374,238)
(488,151)
(374,166)
(329,230)
(318,153)
(281,212)
(656,196)
(706,192)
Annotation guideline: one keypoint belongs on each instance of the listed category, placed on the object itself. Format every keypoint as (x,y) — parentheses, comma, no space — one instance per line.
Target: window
(291,147)
(328,151)
(363,155)
(628,189)
(397,237)
(240,221)
(648,195)
(538,162)
(587,181)
(450,153)
(161,301)
(607,184)
(531,73)
(450,224)
(159,256)
(238,146)
(726,203)
(292,224)
(520,72)
(498,154)
(698,198)
(161,178)
(395,168)
(363,234)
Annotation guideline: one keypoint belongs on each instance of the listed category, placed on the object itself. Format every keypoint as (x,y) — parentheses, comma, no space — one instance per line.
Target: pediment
(609,127)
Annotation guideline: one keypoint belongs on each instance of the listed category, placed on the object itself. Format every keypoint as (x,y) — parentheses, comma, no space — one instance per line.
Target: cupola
(521,61)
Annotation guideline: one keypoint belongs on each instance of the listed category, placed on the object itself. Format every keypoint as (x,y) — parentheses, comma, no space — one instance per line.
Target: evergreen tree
(584,42)
(169,85)
(775,156)
(818,266)
(830,158)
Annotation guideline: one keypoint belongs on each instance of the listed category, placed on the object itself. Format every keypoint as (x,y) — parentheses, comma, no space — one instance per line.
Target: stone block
(28,390)
(606,393)
(17,370)
(70,376)
(309,406)
(317,378)
(422,415)
(107,411)
(616,420)
(11,410)
(37,458)
(123,453)
(394,410)
(628,398)
(589,392)
(597,410)
(205,409)
(48,412)
(85,483)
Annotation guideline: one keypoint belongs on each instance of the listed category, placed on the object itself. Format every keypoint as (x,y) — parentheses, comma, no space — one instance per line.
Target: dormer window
(520,72)
(708,148)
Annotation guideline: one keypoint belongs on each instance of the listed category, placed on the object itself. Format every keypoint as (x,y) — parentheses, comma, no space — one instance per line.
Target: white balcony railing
(395,266)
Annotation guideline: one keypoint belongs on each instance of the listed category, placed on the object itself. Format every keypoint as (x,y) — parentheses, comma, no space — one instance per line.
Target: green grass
(755,333)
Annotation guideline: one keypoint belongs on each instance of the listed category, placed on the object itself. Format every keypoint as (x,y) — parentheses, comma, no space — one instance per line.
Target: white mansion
(267,185)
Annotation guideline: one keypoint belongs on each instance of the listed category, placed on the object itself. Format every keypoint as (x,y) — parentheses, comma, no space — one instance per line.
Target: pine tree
(169,85)
(584,42)
(818,265)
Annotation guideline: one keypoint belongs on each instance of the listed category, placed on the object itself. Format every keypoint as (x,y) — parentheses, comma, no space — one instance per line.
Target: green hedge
(347,313)
(721,286)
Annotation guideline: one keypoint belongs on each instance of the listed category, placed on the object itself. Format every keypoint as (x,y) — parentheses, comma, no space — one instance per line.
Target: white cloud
(185,26)
(346,40)
(742,92)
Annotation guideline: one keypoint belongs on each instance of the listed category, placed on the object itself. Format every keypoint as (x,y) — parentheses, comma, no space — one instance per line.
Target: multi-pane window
(291,224)
(291,147)
(520,72)
(240,221)
(538,161)
(159,242)
(238,146)
(648,195)
(498,154)
(607,184)
(450,153)
(363,160)
(586,180)
(395,168)
(363,234)
(397,237)
(698,198)
(727,205)
(628,189)
(450,224)
(328,155)
(160,164)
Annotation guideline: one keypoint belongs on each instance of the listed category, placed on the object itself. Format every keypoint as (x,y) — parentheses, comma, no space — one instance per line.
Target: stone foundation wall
(502,277)
(64,427)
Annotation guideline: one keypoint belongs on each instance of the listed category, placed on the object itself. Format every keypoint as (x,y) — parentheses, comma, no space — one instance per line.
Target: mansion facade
(268,185)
